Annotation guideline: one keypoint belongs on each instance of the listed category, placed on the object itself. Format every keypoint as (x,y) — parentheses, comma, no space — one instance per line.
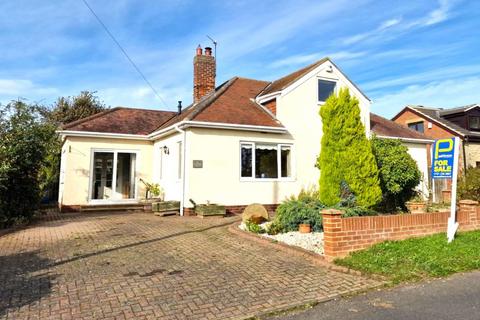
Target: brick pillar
(470,207)
(332,232)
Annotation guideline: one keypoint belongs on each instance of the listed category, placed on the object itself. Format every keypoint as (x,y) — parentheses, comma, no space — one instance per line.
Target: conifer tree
(346,153)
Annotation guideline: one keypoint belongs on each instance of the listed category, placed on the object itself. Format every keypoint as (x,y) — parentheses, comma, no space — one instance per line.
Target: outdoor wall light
(165,150)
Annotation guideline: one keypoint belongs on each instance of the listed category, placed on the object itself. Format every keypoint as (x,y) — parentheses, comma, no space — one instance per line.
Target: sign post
(445,166)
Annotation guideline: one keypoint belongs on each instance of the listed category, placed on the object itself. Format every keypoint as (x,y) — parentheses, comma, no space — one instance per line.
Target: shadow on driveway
(22,281)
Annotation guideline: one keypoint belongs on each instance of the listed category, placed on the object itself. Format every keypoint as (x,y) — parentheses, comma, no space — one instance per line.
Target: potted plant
(304,227)
(416,205)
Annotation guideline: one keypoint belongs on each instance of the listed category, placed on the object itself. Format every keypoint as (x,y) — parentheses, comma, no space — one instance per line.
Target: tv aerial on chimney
(214,46)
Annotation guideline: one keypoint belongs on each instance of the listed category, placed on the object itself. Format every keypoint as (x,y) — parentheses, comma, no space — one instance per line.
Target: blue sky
(398,52)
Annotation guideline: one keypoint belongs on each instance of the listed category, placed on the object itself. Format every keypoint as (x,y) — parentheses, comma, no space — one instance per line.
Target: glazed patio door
(113,176)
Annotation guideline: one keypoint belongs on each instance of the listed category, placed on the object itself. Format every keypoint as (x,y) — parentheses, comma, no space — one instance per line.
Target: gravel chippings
(312,241)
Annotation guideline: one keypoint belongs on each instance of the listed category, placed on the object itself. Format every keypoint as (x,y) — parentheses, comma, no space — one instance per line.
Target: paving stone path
(136,265)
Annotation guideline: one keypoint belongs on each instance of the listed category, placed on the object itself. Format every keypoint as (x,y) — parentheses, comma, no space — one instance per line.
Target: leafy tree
(399,174)
(24,144)
(69,109)
(346,153)
(63,111)
(469,185)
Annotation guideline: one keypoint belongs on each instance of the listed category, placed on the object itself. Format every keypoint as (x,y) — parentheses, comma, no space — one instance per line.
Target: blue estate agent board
(443,158)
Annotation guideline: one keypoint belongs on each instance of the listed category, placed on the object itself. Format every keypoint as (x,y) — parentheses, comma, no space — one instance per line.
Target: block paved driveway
(136,265)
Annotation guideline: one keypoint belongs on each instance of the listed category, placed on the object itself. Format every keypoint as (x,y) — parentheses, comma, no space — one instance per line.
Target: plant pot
(210,210)
(416,206)
(304,228)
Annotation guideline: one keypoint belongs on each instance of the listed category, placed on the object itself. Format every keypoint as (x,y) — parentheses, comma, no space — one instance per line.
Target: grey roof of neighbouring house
(437,113)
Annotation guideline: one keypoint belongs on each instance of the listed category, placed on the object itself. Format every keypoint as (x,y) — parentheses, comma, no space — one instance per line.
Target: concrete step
(113,207)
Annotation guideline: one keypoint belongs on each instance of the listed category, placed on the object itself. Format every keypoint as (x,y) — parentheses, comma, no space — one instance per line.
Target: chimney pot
(179,107)
(199,50)
(208,51)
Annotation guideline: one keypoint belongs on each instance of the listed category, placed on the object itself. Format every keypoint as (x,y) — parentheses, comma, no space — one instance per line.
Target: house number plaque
(198,163)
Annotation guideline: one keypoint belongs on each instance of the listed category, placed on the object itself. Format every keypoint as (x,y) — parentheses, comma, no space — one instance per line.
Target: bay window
(265,160)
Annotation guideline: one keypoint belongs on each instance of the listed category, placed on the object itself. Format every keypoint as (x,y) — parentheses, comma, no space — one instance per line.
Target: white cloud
(381,28)
(421,77)
(447,94)
(389,23)
(440,14)
(395,27)
(20,87)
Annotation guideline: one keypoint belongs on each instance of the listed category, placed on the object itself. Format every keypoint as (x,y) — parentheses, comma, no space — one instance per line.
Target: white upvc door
(169,169)
(113,176)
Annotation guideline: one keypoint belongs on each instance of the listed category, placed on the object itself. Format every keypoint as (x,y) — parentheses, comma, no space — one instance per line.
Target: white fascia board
(160,133)
(243,127)
(411,140)
(92,134)
(336,76)
(267,97)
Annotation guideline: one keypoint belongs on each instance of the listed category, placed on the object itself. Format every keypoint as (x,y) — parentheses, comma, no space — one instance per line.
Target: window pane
(125,187)
(246,159)
(286,161)
(417,126)
(474,122)
(102,175)
(325,89)
(266,161)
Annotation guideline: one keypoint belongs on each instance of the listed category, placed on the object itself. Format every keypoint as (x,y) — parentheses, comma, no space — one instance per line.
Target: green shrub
(469,185)
(253,227)
(358,212)
(304,208)
(24,144)
(399,174)
(346,153)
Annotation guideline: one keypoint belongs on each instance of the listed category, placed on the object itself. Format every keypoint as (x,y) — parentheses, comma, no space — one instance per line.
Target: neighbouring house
(438,123)
(245,141)
(417,143)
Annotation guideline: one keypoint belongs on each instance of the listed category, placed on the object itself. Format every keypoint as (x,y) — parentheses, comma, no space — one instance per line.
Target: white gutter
(101,135)
(412,140)
(184,147)
(243,127)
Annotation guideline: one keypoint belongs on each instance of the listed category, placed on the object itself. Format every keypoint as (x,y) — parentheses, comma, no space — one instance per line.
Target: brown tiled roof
(233,102)
(384,127)
(122,120)
(285,81)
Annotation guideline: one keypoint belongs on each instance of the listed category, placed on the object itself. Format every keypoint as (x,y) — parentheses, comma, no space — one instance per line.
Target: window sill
(267,180)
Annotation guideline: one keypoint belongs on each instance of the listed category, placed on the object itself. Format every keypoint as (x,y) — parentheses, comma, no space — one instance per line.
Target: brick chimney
(204,71)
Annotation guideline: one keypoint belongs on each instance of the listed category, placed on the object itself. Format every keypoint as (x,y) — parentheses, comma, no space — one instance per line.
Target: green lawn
(419,258)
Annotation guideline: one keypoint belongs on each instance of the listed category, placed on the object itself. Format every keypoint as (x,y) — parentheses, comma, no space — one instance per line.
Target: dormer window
(474,123)
(325,89)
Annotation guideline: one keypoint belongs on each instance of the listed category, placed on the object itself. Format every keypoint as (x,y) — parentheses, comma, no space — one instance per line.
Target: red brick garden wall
(344,235)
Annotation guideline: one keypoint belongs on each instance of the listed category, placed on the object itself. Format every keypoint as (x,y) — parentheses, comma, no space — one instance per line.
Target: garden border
(309,255)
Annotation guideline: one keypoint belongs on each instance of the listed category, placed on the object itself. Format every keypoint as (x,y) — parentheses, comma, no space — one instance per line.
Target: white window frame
(279,145)
(114,175)
(320,102)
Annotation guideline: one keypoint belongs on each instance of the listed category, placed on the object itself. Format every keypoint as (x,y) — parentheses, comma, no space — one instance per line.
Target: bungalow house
(245,141)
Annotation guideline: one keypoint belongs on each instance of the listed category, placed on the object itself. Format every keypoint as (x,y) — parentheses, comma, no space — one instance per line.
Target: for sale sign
(444,158)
